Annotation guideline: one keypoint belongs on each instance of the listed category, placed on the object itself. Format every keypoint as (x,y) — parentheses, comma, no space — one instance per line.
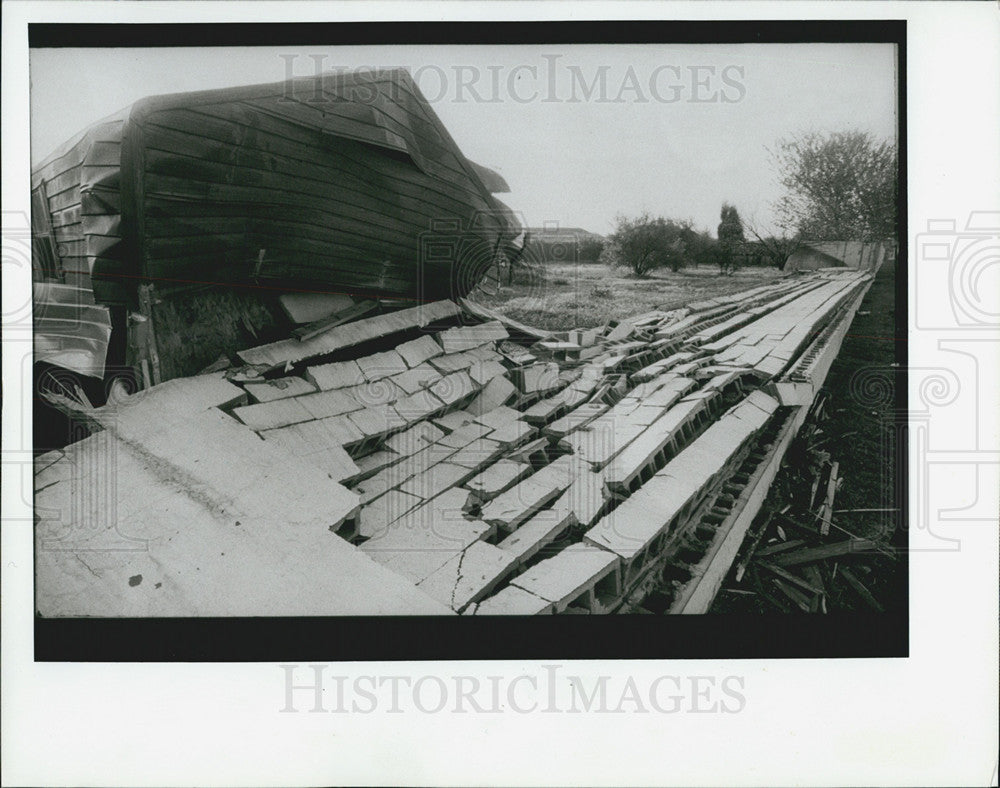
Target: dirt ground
(581,295)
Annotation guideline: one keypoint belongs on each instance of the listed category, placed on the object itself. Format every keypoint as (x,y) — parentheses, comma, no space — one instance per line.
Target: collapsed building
(325,424)
(432,460)
(165,229)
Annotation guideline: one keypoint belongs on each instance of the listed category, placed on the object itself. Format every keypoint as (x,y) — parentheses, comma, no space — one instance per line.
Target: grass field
(580,295)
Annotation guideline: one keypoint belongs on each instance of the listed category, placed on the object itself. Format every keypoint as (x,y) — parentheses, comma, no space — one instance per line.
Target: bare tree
(777,247)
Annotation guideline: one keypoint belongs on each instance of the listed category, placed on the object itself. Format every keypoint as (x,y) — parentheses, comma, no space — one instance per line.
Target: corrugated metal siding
(80,184)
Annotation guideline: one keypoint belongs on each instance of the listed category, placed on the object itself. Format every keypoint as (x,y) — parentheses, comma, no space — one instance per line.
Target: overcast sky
(581,133)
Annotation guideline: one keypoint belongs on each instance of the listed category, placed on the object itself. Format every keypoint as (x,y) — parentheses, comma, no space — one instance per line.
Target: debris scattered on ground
(466,464)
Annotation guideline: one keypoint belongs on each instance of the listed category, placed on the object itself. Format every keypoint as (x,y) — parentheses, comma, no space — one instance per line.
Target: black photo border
(391,638)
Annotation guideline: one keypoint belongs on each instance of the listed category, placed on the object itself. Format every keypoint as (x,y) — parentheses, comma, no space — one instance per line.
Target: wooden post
(146,307)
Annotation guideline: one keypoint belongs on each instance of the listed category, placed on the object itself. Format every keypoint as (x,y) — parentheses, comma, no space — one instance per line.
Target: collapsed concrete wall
(422,462)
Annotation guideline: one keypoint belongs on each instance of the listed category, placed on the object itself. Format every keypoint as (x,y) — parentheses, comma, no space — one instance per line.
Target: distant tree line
(841,186)
(646,243)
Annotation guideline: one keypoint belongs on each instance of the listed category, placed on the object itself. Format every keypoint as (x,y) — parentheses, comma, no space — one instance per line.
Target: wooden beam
(861,590)
(823,552)
(323,325)
(827,510)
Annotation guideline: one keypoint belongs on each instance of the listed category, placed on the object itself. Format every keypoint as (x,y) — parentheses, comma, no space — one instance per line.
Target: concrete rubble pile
(420,462)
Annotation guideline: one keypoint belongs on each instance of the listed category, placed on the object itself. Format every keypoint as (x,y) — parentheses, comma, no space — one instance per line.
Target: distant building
(837,254)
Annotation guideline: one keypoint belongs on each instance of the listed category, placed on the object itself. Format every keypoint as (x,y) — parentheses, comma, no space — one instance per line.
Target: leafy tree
(700,248)
(730,238)
(645,243)
(840,186)
(775,249)
(590,248)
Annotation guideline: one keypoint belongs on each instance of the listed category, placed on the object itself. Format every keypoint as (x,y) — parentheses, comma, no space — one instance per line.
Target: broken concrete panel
(451,421)
(761,400)
(571,574)
(374,394)
(350,334)
(416,379)
(397,474)
(499,416)
(419,350)
(585,499)
(376,422)
(382,365)
(419,406)
(575,419)
(498,477)
(544,410)
(453,388)
(465,435)
(514,601)
(622,331)
(639,454)
(417,437)
(631,527)
(377,516)
(337,375)
(435,480)
(512,433)
(538,378)
(423,540)
(520,502)
(499,391)
(461,338)
(372,463)
(485,353)
(342,430)
(476,454)
(323,404)
(527,451)
(152,410)
(536,534)
(182,551)
(482,372)
(452,362)
(313,441)
(468,577)
(270,415)
(280,388)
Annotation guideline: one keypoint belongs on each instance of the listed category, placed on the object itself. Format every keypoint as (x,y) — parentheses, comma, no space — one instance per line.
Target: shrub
(590,249)
(645,243)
